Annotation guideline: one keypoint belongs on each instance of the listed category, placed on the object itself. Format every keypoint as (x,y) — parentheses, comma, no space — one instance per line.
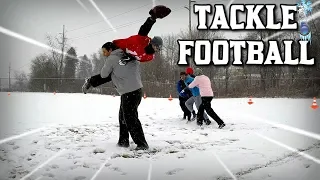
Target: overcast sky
(36,18)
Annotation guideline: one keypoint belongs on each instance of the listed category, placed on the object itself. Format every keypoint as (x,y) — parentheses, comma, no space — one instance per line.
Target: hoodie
(204,84)
(127,77)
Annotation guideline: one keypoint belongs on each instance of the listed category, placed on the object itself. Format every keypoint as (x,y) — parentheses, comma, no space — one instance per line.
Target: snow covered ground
(73,136)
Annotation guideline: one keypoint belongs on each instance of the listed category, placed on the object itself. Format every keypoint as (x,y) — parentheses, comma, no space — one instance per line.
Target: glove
(159,11)
(86,86)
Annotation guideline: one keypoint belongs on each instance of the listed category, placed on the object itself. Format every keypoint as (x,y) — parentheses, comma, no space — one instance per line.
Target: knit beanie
(157,41)
(189,70)
(198,72)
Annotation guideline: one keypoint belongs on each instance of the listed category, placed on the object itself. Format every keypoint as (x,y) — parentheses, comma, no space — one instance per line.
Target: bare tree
(21,81)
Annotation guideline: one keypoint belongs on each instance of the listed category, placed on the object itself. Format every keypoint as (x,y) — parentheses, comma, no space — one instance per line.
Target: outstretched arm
(194,83)
(146,27)
(97,80)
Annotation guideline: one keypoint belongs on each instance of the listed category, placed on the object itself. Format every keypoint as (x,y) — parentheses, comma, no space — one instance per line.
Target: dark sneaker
(208,122)
(221,126)
(199,122)
(141,148)
(86,86)
(194,115)
(123,144)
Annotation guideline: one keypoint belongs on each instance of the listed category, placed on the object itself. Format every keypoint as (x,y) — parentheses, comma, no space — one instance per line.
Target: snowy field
(73,137)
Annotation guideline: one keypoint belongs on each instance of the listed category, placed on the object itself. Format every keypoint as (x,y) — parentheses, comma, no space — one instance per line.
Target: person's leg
(185,109)
(200,114)
(123,132)
(189,104)
(181,103)
(198,101)
(210,111)
(130,110)
(146,26)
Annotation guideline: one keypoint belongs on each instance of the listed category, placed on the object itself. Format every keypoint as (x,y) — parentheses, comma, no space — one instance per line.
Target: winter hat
(157,41)
(189,70)
(198,72)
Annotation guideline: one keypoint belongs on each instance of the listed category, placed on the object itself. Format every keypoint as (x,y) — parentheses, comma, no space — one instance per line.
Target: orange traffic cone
(250,100)
(9,94)
(314,104)
(170,98)
(144,96)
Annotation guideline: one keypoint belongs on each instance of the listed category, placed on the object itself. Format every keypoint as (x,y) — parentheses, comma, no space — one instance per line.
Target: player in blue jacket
(183,97)
(196,98)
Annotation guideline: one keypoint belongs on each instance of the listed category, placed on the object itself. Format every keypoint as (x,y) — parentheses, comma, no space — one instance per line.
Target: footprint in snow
(174,171)
(98,150)
(172,151)
(108,164)
(11,143)
(80,178)
(85,165)
(180,156)
(204,134)
(54,166)
(49,175)
(15,147)
(33,153)
(2,158)
(233,140)
(116,169)
(307,165)
(12,176)
(174,142)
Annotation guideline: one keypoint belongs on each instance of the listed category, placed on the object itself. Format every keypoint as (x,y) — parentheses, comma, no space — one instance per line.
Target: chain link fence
(232,88)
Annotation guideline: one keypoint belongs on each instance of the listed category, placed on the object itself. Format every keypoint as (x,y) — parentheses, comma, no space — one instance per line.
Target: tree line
(54,72)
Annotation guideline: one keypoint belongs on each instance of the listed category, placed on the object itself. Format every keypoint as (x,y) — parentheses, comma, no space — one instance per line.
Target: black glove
(94,81)
(97,80)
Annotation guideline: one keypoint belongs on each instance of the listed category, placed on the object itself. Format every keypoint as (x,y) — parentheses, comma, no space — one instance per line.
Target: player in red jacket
(141,47)
(137,47)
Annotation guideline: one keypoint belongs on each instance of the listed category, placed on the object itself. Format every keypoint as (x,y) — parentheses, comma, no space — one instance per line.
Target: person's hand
(86,86)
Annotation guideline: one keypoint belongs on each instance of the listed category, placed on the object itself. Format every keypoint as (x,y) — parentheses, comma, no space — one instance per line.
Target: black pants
(128,119)
(186,112)
(206,105)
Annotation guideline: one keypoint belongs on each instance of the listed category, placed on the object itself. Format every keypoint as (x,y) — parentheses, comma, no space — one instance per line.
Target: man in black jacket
(183,97)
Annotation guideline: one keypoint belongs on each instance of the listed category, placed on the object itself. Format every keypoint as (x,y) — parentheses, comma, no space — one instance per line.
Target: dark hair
(183,73)
(109,45)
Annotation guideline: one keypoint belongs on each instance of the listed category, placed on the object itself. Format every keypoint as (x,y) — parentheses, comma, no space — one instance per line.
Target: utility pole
(10,77)
(62,50)
(63,42)
(190,30)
